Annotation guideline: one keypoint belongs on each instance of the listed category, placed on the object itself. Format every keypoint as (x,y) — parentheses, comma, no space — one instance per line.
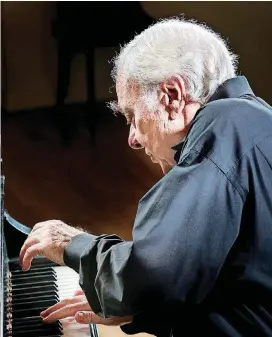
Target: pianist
(200,259)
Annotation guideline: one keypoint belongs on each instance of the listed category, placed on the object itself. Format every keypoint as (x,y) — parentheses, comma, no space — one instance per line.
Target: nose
(132,140)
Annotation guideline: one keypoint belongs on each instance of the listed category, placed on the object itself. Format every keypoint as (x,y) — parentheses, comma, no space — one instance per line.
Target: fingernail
(80,317)
(42,314)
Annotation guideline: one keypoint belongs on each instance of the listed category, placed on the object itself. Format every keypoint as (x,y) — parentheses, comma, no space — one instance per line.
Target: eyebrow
(127,112)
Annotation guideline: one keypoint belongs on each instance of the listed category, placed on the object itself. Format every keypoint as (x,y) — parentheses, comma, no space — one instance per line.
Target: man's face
(150,129)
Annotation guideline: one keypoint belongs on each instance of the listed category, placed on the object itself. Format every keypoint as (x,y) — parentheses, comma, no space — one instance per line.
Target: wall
(30,52)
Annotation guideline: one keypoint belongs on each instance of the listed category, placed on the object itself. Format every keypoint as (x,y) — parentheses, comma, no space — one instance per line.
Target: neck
(189,113)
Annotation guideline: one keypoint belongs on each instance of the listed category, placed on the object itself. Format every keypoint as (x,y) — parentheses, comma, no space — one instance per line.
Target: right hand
(79,307)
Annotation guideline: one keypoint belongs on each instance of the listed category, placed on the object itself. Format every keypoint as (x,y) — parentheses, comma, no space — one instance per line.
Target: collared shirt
(201,256)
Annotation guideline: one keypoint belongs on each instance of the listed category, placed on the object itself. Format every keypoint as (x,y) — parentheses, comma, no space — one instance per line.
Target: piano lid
(16,224)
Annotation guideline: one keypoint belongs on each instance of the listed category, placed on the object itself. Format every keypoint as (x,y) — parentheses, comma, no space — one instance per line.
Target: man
(200,258)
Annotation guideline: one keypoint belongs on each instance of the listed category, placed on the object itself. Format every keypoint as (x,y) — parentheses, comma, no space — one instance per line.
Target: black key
(34,311)
(26,320)
(34,324)
(38,328)
(26,324)
(40,288)
(30,284)
(36,263)
(35,292)
(41,331)
(33,280)
(42,261)
(33,304)
(43,265)
(18,273)
(17,276)
(41,296)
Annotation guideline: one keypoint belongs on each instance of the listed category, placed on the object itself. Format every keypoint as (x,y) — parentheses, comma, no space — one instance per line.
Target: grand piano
(24,295)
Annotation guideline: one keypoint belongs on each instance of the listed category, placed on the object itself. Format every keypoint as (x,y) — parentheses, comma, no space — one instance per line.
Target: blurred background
(65,156)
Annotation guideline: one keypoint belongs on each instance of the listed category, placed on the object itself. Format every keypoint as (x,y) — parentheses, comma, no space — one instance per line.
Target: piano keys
(49,284)
(29,293)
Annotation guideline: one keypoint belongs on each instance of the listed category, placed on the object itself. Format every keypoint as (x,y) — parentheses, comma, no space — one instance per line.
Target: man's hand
(47,239)
(79,308)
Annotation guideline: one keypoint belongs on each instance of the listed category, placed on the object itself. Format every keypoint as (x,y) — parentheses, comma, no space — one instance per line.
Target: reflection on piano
(25,294)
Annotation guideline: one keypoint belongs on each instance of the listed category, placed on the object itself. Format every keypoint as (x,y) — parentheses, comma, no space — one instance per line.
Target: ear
(173,95)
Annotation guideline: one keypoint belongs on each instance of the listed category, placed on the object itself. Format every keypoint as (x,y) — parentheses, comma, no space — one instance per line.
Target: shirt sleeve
(184,229)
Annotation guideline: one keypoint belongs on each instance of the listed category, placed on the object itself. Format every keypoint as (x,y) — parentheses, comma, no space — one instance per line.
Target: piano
(23,295)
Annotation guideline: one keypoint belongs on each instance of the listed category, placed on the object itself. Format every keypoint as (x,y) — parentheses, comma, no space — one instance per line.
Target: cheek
(146,127)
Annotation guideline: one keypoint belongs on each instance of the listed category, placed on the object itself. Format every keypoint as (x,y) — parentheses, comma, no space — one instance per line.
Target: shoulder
(224,130)
(236,109)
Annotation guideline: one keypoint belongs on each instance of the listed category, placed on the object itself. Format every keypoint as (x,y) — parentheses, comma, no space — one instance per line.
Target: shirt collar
(232,88)
(178,148)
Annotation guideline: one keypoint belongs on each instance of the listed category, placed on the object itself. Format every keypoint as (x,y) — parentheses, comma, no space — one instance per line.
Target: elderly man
(200,258)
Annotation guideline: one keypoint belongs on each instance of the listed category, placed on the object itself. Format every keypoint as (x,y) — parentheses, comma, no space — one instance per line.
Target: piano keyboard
(31,292)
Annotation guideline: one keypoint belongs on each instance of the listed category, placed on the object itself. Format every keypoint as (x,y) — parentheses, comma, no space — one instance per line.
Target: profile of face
(158,126)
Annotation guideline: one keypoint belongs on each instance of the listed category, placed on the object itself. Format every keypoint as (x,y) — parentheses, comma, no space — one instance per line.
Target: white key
(68,283)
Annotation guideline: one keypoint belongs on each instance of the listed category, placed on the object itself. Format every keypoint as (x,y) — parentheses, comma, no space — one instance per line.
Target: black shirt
(201,256)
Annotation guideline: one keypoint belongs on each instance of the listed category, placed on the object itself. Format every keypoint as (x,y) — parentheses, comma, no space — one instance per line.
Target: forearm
(101,262)
(106,284)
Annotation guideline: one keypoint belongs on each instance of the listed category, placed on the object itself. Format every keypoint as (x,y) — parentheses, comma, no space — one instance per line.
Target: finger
(59,305)
(78,292)
(67,311)
(30,253)
(89,317)
(28,243)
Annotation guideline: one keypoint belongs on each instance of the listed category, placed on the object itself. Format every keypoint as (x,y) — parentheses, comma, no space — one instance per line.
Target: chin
(154,160)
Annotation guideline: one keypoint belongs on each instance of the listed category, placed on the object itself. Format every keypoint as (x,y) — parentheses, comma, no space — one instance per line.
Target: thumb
(87,317)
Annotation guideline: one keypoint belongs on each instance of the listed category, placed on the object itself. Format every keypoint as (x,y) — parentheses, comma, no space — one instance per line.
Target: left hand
(48,239)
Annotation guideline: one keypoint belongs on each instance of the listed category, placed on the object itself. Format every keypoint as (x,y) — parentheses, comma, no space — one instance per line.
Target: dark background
(97,188)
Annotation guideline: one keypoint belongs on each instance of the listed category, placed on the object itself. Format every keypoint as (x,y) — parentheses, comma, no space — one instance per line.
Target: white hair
(177,47)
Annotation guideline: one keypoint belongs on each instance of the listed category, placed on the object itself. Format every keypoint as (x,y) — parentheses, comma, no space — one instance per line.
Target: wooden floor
(97,189)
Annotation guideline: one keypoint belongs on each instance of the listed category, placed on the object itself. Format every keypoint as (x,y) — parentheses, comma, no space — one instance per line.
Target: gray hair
(177,47)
